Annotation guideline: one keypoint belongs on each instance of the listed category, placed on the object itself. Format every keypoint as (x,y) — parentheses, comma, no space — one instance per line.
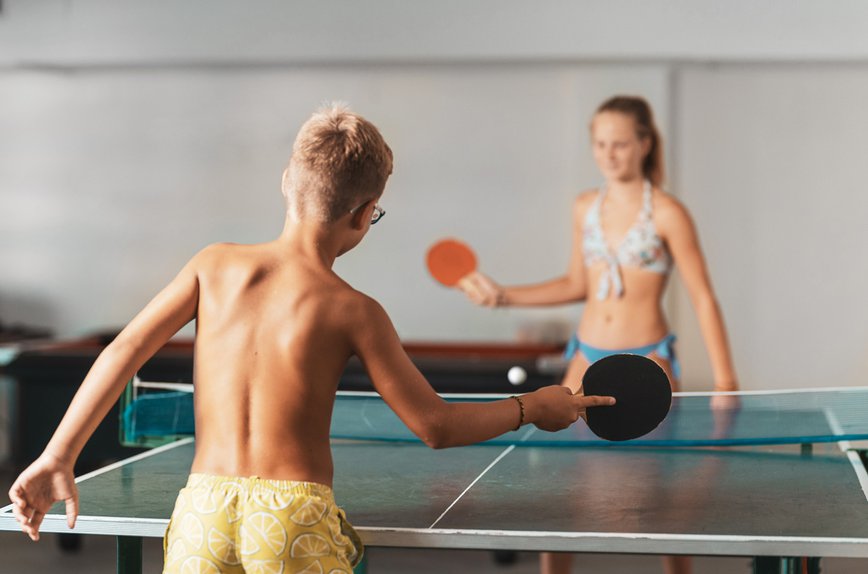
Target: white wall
(772,161)
(121,32)
(111,180)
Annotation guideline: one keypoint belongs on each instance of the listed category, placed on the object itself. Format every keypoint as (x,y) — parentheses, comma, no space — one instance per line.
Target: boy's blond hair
(339,161)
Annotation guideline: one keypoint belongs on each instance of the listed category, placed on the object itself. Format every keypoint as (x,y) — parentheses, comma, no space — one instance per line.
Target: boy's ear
(284,180)
(361,215)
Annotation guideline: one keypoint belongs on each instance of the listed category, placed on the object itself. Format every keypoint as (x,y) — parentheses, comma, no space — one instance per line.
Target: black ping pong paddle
(642,396)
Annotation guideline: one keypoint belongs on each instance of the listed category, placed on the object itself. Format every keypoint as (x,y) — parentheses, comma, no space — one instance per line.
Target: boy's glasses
(377,214)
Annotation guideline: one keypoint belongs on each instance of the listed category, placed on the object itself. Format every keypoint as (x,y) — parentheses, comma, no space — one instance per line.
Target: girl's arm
(680,234)
(567,288)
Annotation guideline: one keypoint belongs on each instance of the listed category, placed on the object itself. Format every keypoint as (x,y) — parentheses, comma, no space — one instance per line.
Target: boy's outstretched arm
(50,478)
(443,424)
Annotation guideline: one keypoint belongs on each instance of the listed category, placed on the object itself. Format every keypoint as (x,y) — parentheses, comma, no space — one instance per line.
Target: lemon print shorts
(234,525)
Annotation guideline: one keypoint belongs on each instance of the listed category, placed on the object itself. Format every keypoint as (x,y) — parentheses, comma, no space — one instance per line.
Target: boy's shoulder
(211,254)
(215,250)
(333,291)
(358,311)
(358,306)
(230,256)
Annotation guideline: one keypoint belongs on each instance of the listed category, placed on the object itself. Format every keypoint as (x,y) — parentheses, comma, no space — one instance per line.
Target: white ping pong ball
(516,375)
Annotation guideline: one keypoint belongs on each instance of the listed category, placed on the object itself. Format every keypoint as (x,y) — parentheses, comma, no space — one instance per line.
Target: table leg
(129,555)
(785,565)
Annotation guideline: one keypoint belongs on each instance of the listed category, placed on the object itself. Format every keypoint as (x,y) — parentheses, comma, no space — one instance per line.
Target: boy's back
(271,344)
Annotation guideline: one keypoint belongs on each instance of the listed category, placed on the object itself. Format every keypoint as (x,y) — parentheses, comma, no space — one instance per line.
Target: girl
(627,236)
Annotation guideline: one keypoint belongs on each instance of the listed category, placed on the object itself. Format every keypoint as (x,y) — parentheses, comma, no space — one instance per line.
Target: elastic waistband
(251,483)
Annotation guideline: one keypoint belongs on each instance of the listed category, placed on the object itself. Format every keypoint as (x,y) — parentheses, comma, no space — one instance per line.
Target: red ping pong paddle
(449,260)
(642,393)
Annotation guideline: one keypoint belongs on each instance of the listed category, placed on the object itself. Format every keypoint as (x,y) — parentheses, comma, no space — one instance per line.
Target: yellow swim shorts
(234,525)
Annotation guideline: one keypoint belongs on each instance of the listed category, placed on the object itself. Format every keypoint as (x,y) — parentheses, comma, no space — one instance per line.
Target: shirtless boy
(275,327)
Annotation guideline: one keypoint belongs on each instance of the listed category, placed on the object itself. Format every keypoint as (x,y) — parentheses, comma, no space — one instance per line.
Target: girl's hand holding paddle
(482,290)
(453,264)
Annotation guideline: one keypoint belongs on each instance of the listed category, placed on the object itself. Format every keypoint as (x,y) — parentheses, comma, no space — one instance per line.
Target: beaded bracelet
(520,410)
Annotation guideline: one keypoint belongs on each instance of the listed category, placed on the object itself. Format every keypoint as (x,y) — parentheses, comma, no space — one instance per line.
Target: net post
(129,555)
(126,399)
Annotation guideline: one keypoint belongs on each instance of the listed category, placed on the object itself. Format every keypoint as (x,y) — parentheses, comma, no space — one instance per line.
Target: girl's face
(617,148)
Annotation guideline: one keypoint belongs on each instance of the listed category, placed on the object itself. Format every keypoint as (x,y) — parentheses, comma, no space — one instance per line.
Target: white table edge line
(136,458)
(506,451)
(613,535)
(859,469)
(187,387)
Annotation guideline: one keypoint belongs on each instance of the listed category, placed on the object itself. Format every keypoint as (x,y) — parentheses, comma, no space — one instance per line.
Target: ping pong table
(785,505)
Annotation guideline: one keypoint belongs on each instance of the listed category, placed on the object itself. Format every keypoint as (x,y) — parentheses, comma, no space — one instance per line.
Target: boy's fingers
(36,520)
(594,401)
(23,512)
(20,514)
(16,495)
(587,401)
(30,525)
(71,510)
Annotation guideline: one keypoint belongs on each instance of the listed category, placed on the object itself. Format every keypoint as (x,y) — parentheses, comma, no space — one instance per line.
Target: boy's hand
(555,407)
(43,483)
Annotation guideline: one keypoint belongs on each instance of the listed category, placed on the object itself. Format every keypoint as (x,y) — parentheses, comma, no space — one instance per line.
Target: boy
(275,328)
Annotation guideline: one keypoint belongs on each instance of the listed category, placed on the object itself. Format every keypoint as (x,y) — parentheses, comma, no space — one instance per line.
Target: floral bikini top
(641,247)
